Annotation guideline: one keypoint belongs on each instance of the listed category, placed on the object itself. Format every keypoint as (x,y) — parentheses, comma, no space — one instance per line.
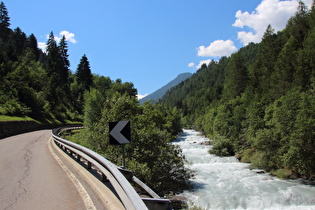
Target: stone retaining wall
(9,128)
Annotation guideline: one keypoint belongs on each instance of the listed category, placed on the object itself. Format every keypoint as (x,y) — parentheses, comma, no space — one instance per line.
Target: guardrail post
(104,178)
(89,165)
(78,157)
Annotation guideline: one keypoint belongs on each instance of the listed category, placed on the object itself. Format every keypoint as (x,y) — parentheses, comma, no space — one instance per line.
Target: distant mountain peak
(156,95)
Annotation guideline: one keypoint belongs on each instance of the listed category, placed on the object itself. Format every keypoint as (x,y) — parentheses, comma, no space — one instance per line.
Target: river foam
(225,183)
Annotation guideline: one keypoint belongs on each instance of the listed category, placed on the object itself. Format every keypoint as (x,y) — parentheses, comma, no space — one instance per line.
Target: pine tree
(236,77)
(4,21)
(32,44)
(56,66)
(282,77)
(51,42)
(299,25)
(261,71)
(57,63)
(53,59)
(20,41)
(65,63)
(83,73)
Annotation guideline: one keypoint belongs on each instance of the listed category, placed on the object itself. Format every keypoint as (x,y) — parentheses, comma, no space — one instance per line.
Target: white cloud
(42,46)
(202,62)
(69,36)
(191,64)
(141,96)
(273,12)
(217,48)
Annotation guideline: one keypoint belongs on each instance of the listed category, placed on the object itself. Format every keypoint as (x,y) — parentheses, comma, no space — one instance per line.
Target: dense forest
(259,103)
(36,84)
(40,85)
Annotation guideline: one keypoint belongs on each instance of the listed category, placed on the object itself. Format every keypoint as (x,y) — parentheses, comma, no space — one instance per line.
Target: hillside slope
(160,92)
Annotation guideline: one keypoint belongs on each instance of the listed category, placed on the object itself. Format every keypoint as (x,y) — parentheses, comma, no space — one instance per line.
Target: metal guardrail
(127,194)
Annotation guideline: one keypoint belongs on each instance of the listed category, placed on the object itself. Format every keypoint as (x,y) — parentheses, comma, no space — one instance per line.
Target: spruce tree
(56,66)
(299,25)
(236,77)
(57,63)
(53,59)
(83,73)
(32,44)
(4,21)
(20,41)
(65,63)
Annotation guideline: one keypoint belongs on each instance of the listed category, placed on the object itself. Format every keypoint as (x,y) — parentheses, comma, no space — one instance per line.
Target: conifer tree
(65,63)
(56,66)
(53,59)
(57,63)
(236,77)
(20,41)
(32,44)
(50,67)
(83,73)
(261,70)
(298,25)
(285,67)
(4,21)
(51,42)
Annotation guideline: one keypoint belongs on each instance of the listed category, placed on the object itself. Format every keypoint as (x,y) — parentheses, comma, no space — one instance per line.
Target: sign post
(123,156)
(119,134)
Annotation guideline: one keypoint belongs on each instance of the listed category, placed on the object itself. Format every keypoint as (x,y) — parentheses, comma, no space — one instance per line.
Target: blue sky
(149,42)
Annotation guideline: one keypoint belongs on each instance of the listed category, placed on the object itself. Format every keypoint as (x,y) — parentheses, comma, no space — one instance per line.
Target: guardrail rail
(117,176)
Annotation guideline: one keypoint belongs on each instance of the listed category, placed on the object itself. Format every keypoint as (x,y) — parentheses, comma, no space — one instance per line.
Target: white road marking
(83,193)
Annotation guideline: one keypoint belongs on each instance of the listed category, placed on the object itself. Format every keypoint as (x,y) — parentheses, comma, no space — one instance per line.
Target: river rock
(205,143)
(178,202)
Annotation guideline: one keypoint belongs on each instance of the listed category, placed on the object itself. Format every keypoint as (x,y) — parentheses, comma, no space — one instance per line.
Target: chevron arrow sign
(119,132)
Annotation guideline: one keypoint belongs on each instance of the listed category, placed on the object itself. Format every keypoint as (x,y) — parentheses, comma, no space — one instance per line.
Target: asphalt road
(32,176)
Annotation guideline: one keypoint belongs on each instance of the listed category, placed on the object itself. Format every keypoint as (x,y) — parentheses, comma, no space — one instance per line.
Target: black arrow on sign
(119,132)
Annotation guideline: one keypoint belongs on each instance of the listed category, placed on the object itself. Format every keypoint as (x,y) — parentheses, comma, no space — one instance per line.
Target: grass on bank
(4,118)
(12,118)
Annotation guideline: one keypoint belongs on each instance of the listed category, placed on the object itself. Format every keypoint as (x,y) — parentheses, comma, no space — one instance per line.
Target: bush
(222,147)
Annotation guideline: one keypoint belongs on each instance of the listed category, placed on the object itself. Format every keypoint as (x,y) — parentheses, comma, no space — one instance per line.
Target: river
(225,183)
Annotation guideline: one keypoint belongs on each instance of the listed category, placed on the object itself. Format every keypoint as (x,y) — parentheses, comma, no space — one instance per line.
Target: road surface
(34,176)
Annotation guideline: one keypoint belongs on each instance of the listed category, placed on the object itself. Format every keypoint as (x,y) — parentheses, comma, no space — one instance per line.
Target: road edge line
(82,191)
(107,197)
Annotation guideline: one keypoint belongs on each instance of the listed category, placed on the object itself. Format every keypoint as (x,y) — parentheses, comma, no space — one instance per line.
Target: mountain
(160,92)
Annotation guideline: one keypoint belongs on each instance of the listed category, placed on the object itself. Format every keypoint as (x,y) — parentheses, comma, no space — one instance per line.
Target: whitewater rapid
(225,183)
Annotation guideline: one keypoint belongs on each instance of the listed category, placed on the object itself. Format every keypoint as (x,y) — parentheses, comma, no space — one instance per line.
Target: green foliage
(259,103)
(236,77)
(9,118)
(150,155)
(222,147)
